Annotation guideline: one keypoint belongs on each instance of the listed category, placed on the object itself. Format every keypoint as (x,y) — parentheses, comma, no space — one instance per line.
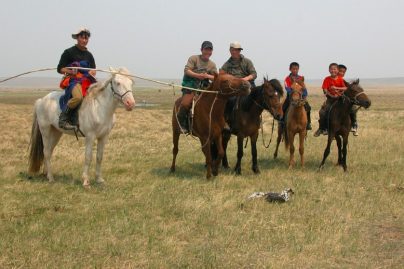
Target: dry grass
(145,217)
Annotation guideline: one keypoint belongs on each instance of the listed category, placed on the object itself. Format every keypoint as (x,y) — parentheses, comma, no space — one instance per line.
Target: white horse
(96,119)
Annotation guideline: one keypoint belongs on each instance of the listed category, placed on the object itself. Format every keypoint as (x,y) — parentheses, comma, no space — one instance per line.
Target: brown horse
(296,122)
(339,121)
(245,118)
(208,119)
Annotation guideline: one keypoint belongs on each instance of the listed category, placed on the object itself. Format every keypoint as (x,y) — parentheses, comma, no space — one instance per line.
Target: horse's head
(121,86)
(297,91)
(356,94)
(228,85)
(271,94)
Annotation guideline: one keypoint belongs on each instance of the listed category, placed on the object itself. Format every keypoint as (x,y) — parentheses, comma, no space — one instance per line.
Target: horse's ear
(357,81)
(221,72)
(112,69)
(302,78)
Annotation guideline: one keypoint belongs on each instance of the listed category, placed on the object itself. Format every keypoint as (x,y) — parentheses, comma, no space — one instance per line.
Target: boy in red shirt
(333,87)
(294,70)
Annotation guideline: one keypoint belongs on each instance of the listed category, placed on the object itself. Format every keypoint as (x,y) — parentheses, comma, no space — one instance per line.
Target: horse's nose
(367,103)
(129,103)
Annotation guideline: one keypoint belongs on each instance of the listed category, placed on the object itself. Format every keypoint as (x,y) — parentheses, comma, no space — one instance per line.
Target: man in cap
(238,65)
(241,67)
(197,73)
(77,81)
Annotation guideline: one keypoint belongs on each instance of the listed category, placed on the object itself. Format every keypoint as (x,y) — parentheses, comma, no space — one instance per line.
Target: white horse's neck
(99,109)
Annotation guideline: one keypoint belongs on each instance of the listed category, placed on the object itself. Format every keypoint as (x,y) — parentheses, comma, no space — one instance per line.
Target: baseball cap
(207,44)
(80,31)
(236,45)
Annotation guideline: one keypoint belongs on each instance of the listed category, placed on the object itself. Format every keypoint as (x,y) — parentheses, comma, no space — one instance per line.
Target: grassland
(145,217)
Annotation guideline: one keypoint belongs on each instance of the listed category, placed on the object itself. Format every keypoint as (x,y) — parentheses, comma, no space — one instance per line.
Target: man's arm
(251,70)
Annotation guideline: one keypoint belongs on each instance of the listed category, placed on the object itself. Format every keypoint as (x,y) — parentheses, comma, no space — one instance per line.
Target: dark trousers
(324,111)
(352,114)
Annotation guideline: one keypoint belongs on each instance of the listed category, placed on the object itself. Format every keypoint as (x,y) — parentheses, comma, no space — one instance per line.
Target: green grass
(145,217)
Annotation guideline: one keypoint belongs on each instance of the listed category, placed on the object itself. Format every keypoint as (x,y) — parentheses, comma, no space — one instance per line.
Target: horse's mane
(98,87)
(247,101)
(95,89)
(277,86)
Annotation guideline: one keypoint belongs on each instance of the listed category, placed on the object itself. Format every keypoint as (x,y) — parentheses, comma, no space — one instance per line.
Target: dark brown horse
(245,118)
(296,122)
(208,119)
(339,122)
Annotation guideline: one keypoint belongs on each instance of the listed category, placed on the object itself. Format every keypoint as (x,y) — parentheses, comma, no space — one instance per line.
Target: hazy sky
(155,38)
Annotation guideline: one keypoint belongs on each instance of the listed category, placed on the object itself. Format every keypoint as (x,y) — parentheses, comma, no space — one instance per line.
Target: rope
(25,73)
(111,72)
(262,132)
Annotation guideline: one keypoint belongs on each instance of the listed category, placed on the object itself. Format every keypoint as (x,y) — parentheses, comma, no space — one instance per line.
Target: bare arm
(201,76)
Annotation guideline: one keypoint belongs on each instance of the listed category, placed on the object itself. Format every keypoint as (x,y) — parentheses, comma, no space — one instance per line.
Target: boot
(354,129)
(64,120)
(321,130)
(308,127)
(182,117)
(307,107)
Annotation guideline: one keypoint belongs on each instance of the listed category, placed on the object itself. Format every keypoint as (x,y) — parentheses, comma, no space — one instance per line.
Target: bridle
(264,104)
(354,100)
(299,102)
(115,93)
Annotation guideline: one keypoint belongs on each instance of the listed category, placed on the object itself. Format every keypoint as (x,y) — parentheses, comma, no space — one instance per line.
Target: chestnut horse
(295,123)
(245,119)
(208,119)
(339,122)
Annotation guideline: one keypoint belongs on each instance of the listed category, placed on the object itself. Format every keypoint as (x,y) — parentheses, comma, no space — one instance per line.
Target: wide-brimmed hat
(235,45)
(207,44)
(80,31)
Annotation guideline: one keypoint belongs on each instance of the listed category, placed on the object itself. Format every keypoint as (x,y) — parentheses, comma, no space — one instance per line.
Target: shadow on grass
(67,179)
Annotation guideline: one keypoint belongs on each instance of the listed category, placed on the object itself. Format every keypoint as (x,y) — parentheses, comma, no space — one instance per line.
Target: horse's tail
(36,156)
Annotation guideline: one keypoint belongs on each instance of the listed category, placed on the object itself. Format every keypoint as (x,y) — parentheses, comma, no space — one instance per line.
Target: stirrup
(67,126)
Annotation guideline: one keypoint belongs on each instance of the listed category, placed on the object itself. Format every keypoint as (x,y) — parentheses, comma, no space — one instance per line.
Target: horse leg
(278,140)
(219,154)
(225,139)
(47,151)
(339,145)
(176,137)
(291,149)
(240,140)
(208,158)
(100,153)
(253,139)
(344,151)
(327,150)
(87,160)
(302,136)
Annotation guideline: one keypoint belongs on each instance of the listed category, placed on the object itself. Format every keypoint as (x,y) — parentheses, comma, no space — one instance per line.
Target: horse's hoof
(238,171)
(225,166)
(275,156)
(256,171)
(172,169)
(86,182)
(100,180)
